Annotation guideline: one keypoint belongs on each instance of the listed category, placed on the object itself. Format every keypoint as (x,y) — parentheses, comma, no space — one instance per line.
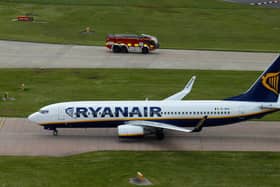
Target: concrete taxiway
(37,55)
(20,137)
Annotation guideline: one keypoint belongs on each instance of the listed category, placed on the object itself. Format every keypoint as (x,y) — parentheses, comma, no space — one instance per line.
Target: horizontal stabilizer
(180,95)
(271,106)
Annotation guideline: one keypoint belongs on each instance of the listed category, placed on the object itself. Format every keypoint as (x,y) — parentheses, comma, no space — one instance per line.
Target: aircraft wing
(180,95)
(152,124)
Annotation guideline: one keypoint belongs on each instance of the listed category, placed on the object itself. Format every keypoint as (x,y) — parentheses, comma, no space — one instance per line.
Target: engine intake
(126,131)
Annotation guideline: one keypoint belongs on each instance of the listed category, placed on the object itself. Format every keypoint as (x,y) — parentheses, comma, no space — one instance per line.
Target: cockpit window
(152,42)
(44,111)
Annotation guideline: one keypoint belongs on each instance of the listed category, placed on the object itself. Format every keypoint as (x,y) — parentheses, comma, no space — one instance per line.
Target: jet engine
(126,131)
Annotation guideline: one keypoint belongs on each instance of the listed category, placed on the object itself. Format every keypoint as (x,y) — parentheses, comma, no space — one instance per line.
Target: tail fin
(266,88)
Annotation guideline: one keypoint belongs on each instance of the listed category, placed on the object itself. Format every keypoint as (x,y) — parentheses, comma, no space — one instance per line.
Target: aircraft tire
(55,132)
(160,135)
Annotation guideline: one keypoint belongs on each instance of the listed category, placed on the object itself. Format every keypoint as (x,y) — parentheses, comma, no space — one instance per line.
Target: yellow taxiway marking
(2,122)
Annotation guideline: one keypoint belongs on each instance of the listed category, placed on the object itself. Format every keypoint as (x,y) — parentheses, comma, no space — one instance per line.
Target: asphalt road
(21,137)
(36,55)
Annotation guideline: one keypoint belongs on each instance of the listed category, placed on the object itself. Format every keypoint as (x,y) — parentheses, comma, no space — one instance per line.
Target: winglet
(200,124)
(180,95)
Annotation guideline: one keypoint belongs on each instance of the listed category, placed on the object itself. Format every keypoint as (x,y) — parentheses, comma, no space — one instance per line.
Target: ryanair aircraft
(139,118)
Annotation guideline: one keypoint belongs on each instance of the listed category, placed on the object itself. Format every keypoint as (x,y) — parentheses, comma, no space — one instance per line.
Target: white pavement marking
(38,55)
(2,122)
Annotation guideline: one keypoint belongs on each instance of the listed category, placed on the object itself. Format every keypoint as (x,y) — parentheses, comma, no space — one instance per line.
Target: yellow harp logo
(270,81)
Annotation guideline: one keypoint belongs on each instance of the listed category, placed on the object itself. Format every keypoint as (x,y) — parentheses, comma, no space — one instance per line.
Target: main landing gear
(160,134)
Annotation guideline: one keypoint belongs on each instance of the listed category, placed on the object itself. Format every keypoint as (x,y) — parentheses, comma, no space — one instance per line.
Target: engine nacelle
(126,131)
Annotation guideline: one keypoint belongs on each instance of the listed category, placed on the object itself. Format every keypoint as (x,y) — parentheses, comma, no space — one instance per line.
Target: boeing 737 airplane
(139,118)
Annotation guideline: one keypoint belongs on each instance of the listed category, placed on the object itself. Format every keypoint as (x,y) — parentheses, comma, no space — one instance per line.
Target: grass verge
(162,168)
(47,86)
(192,24)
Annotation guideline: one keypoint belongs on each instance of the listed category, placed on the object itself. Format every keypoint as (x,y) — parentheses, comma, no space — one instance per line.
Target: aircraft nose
(34,117)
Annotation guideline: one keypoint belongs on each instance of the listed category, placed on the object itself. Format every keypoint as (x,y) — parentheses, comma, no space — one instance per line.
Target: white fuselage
(113,113)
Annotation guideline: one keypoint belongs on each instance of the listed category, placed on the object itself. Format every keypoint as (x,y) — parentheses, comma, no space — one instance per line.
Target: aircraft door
(241,112)
(61,113)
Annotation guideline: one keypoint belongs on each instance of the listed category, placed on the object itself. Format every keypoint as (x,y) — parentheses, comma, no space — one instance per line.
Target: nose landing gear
(55,132)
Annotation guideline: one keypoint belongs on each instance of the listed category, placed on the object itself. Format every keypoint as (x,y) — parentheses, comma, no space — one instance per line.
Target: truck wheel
(116,49)
(145,50)
(124,49)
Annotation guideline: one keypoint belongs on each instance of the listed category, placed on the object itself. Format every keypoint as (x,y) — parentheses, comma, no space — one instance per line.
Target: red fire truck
(25,18)
(123,43)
